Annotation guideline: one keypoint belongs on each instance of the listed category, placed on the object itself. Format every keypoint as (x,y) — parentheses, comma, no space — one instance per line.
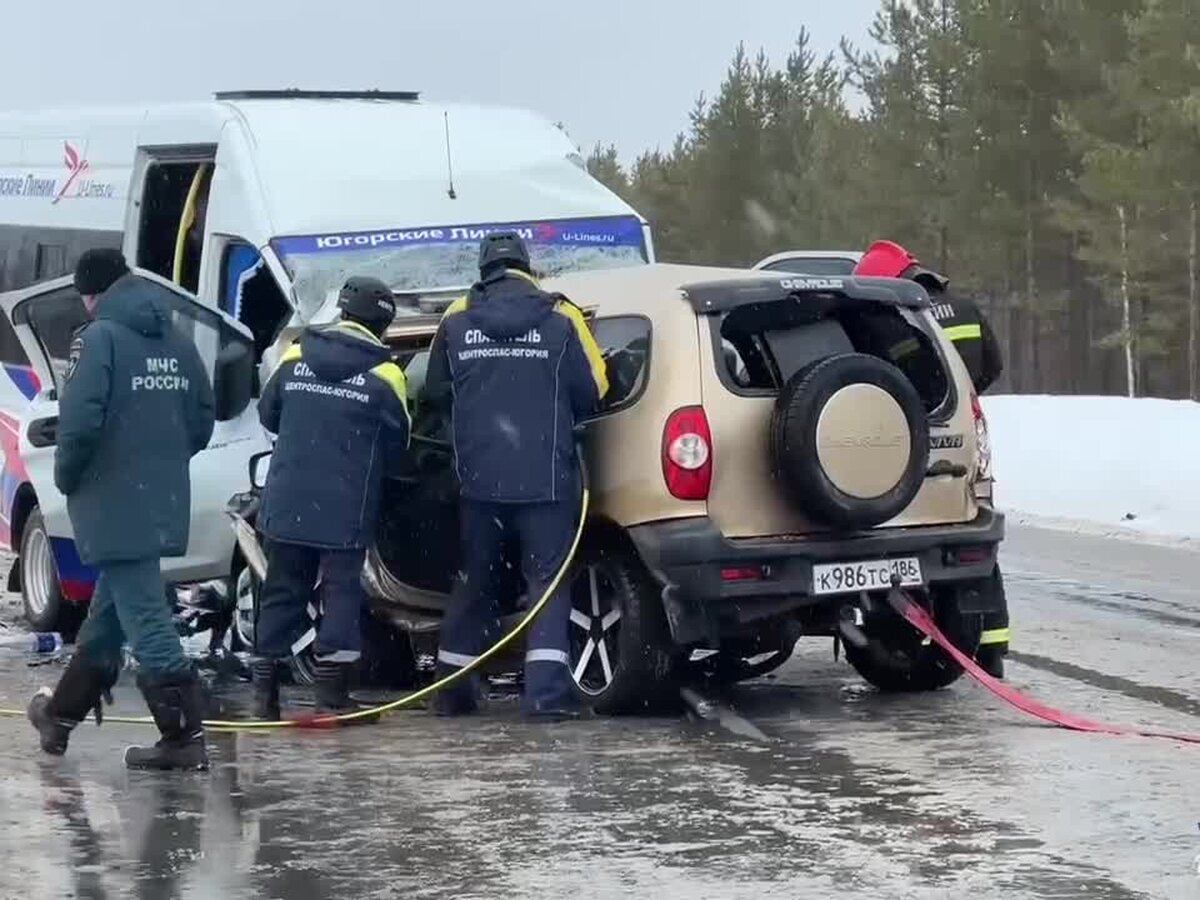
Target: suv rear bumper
(687,557)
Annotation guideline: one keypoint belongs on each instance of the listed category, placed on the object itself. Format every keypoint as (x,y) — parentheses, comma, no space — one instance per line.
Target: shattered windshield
(439,258)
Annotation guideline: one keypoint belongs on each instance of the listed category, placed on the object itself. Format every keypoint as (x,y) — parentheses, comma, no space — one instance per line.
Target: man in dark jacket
(521,369)
(136,406)
(972,336)
(959,318)
(338,404)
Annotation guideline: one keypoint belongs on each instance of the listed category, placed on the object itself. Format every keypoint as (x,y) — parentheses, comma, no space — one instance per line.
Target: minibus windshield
(437,258)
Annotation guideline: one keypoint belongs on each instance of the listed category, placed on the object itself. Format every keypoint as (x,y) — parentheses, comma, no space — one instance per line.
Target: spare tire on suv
(850,441)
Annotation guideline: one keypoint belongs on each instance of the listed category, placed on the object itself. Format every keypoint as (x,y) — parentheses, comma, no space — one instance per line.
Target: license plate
(868,575)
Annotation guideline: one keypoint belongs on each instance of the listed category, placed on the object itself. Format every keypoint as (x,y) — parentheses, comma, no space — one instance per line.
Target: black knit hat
(97,270)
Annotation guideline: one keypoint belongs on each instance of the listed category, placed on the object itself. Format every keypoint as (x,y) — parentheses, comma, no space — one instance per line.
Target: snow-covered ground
(1107,464)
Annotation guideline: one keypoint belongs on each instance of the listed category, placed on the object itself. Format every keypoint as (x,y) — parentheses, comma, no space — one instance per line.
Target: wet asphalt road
(830,790)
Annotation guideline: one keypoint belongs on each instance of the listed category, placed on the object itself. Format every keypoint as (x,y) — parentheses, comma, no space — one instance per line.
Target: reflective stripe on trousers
(339,656)
(994,636)
(458,660)
(550,656)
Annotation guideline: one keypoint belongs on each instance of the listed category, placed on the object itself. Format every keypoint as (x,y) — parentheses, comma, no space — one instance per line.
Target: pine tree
(604,165)
(917,134)
(896,171)
(727,159)
(1113,213)
(1019,163)
(1046,155)
(805,143)
(1165,66)
(663,190)
(1114,206)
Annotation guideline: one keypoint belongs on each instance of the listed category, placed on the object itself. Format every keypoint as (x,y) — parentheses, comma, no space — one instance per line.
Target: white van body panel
(376,165)
(236,206)
(307,169)
(305,166)
(58,170)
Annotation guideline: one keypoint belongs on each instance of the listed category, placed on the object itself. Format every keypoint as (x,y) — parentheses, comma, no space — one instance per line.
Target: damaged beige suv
(775,451)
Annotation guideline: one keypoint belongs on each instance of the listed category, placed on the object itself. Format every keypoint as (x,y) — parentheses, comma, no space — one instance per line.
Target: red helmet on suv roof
(887,259)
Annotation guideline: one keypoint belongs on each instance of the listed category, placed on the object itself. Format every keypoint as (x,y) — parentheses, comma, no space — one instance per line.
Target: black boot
(176,707)
(562,711)
(993,642)
(55,713)
(331,685)
(264,677)
(462,698)
(549,695)
(991,659)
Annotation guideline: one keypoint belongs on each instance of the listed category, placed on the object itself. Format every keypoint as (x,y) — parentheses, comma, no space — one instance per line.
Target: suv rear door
(752,345)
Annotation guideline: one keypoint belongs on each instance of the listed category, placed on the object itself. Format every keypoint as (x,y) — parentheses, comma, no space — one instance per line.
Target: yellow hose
(407,700)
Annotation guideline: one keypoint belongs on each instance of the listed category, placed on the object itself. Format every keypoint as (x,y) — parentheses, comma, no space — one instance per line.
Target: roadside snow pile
(1106,463)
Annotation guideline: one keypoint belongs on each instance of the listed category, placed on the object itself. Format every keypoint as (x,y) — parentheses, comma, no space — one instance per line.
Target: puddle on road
(422,807)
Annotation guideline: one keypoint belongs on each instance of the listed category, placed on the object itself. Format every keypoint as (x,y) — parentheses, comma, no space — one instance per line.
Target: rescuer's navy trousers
(545,532)
(283,620)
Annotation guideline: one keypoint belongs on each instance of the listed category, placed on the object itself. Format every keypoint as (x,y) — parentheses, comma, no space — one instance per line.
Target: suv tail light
(687,454)
(982,440)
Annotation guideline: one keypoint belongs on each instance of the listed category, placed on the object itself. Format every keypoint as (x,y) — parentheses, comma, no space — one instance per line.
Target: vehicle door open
(54,313)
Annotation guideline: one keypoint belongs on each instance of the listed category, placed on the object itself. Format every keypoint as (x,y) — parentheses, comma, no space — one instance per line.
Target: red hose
(923,622)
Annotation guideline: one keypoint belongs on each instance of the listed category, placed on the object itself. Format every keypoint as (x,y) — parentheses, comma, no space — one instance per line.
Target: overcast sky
(618,70)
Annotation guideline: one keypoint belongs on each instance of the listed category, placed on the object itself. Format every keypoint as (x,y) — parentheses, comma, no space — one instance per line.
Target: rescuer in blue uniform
(136,405)
(521,369)
(339,406)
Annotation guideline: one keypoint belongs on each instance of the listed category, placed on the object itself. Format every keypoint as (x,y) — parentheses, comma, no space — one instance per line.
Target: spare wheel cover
(850,440)
(863,441)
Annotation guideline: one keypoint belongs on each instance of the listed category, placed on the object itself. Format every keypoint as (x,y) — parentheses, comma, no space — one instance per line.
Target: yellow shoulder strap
(590,348)
(459,305)
(393,376)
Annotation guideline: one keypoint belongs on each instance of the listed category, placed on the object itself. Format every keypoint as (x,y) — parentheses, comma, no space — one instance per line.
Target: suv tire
(617,609)
(915,666)
(844,465)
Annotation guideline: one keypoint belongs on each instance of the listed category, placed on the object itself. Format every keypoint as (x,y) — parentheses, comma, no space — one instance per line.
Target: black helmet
(503,248)
(368,301)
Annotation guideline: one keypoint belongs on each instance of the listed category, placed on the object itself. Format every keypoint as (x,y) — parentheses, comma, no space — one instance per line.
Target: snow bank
(1106,463)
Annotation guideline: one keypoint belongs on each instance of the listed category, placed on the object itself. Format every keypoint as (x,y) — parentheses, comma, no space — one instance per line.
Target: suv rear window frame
(713,304)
